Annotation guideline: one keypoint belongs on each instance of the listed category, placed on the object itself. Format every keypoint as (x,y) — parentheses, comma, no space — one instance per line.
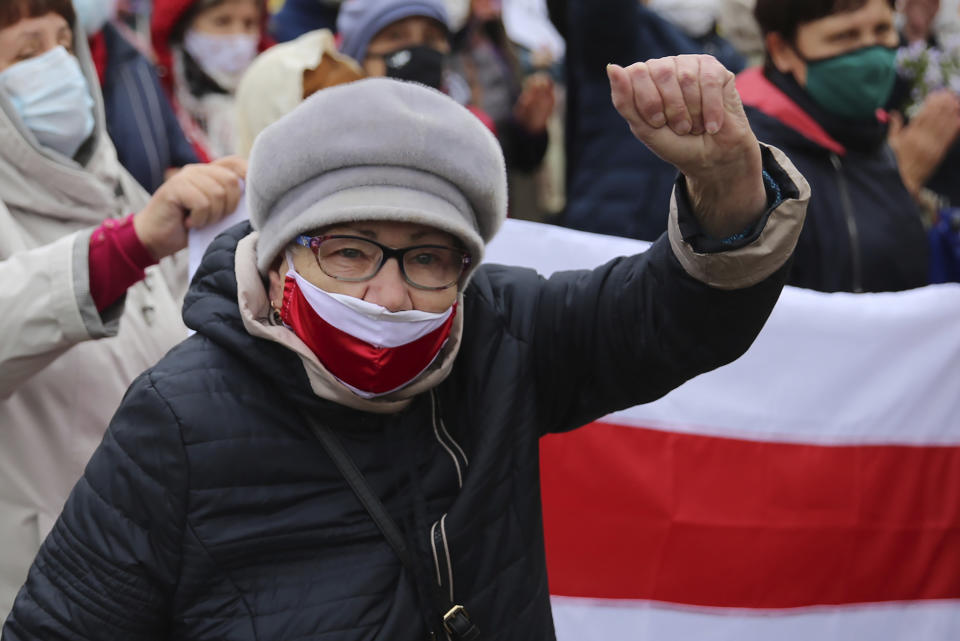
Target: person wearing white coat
(65,360)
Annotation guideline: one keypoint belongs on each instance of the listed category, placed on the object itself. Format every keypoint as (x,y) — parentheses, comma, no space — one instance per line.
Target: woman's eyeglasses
(354,259)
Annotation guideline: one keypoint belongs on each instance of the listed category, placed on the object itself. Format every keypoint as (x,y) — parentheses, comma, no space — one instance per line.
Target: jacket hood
(758,92)
(41,181)
(210,309)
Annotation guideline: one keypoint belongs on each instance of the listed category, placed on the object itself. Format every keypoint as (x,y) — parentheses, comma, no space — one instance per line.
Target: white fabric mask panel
(367,321)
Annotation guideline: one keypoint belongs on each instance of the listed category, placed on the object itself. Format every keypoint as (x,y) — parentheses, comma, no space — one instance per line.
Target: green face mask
(853,85)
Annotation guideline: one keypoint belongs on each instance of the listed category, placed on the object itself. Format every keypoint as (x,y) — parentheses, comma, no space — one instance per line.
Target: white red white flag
(810,490)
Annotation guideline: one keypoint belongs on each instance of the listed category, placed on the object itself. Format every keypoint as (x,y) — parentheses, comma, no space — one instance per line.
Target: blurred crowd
(104,102)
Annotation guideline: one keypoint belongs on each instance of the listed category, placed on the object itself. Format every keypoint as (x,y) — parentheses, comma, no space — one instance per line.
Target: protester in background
(359,314)
(75,268)
(926,141)
(283,76)
(614,184)
(140,120)
(520,107)
(917,21)
(411,41)
(203,47)
(830,67)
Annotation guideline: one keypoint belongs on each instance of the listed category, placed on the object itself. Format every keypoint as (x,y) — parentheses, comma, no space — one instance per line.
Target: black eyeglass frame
(313,244)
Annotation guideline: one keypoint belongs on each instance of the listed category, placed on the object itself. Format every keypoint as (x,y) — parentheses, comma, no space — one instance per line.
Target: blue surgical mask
(52,99)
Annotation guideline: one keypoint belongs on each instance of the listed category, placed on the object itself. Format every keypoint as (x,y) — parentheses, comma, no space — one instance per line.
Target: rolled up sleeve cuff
(752,256)
(95,323)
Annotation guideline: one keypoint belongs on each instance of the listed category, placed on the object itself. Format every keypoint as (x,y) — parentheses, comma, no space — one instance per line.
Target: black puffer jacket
(211,512)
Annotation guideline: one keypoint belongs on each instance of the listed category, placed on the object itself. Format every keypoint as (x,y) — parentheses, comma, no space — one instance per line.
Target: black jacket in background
(140,120)
(863,230)
(615,184)
(211,512)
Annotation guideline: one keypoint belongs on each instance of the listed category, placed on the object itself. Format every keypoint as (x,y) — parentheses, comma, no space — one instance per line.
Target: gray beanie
(360,20)
(376,149)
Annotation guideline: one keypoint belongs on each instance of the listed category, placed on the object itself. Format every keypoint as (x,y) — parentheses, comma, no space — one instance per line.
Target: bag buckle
(458,625)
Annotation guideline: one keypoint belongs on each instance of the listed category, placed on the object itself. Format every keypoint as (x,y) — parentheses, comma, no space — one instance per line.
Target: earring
(275,317)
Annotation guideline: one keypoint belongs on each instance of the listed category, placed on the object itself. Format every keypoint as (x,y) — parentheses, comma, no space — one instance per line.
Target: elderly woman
(71,264)
(348,446)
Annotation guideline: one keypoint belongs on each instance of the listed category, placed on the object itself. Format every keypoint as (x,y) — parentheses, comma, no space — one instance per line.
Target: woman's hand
(535,105)
(921,145)
(686,109)
(198,195)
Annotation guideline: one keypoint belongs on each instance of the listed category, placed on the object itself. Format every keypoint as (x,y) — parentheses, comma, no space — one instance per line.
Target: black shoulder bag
(456,621)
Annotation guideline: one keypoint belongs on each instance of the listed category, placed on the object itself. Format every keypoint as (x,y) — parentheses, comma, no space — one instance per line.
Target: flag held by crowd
(809,490)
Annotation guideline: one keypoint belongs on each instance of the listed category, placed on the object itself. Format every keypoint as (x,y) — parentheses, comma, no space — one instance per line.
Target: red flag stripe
(644,514)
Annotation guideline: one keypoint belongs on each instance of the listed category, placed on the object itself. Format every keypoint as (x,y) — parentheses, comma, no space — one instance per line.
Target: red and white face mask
(368,348)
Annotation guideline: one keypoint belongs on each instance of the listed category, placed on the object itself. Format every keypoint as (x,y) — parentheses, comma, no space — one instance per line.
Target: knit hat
(376,150)
(360,20)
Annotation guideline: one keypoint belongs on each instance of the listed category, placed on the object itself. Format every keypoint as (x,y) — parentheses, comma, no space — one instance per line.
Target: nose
(389,289)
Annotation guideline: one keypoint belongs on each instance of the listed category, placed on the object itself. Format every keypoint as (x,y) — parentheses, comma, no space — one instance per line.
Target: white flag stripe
(827,368)
(593,620)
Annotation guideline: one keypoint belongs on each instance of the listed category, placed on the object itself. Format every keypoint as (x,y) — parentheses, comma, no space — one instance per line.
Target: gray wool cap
(360,20)
(376,150)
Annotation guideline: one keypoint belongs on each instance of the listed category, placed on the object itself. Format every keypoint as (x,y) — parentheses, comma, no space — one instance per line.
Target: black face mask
(421,64)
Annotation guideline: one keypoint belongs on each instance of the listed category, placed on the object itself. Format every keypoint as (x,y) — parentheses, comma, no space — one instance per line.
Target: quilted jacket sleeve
(109,566)
(632,330)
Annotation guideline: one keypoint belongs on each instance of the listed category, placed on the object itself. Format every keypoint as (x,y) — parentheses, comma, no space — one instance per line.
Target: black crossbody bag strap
(455,619)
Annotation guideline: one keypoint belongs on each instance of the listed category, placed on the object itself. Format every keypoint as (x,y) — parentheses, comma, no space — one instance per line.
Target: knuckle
(687,79)
(650,110)
(661,74)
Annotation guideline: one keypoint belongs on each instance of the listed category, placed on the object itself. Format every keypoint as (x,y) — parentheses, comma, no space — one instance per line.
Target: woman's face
(840,33)
(388,288)
(232,17)
(32,37)
(409,32)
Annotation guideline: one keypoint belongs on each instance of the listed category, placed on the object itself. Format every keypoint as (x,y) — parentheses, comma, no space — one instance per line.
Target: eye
(350,253)
(424,258)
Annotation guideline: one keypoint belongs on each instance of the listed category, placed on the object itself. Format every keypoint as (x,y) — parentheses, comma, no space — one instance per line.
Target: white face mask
(222,57)
(93,14)
(694,17)
(51,96)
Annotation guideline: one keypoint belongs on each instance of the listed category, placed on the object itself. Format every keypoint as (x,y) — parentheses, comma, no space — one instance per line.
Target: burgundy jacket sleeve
(117,260)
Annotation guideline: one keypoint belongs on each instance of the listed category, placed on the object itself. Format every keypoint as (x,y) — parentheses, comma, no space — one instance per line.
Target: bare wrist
(727,202)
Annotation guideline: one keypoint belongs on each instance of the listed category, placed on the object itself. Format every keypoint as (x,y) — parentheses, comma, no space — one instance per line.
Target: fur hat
(372,150)
(360,20)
